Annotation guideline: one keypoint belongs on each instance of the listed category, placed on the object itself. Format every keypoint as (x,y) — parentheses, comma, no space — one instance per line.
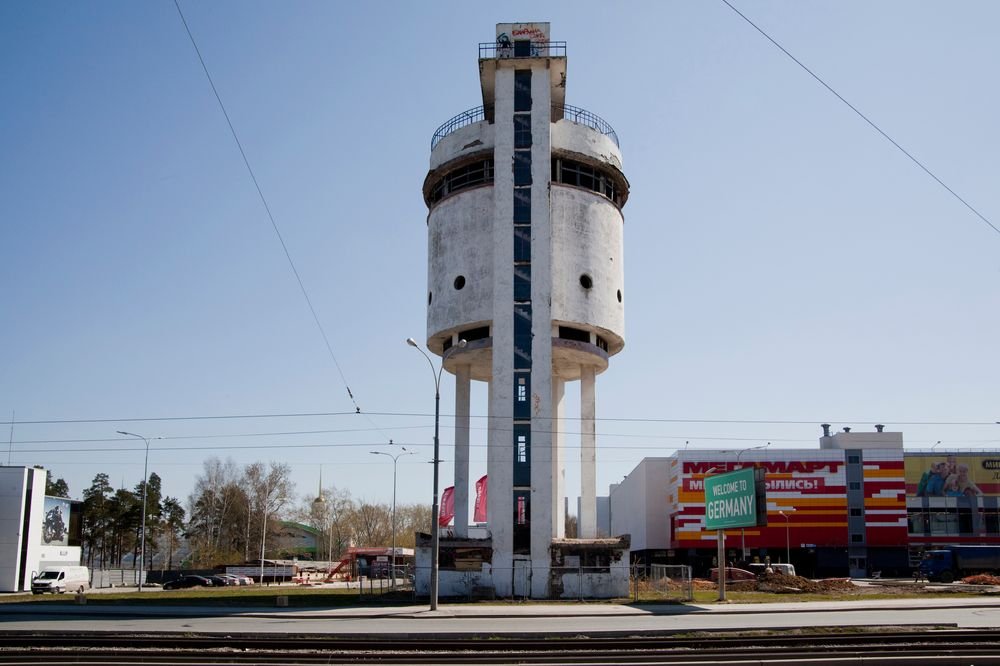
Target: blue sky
(783,262)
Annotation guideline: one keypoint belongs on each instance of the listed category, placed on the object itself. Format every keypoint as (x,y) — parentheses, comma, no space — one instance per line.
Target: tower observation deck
(525,241)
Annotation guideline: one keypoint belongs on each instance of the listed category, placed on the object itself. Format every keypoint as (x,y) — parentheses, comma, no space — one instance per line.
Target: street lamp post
(319,511)
(145,483)
(743,534)
(394,459)
(263,533)
(788,539)
(435,530)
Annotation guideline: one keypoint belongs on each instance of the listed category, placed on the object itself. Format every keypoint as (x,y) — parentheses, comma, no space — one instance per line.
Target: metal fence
(574,582)
(572,113)
(533,49)
(100,578)
(469,117)
(584,117)
(662,582)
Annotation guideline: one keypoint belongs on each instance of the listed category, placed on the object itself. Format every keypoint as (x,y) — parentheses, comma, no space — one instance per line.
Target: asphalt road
(516,619)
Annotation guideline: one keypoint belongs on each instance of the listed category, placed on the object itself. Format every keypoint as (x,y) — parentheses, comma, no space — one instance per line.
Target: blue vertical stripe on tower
(521,166)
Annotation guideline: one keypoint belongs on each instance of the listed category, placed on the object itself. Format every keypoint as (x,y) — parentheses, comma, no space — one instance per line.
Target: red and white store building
(857,504)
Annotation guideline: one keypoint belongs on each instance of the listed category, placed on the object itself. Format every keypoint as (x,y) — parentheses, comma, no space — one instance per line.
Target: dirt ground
(781,584)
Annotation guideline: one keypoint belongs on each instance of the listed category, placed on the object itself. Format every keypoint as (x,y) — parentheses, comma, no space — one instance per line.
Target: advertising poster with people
(952,475)
(55,528)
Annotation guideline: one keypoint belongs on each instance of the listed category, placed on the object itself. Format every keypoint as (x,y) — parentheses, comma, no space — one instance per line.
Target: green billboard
(731,500)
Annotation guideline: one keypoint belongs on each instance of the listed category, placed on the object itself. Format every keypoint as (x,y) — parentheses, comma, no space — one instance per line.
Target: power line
(267,208)
(569,446)
(710,421)
(863,117)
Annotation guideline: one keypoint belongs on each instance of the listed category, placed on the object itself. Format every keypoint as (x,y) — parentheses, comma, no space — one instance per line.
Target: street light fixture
(319,510)
(263,531)
(788,540)
(394,459)
(435,530)
(145,483)
(743,534)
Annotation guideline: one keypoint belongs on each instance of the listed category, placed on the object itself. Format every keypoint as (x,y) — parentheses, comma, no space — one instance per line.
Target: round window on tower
(619,295)
(460,282)
(586,281)
(430,297)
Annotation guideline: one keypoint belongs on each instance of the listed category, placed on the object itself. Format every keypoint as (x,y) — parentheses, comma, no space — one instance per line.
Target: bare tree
(270,490)
(410,519)
(214,505)
(372,524)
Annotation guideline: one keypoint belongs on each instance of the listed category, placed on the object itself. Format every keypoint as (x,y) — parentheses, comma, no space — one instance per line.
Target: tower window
(619,295)
(522,206)
(460,282)
(586,281)
(578,174)
(522,131)
(522,90)
(477,333)
(522,168)
(462,178)
(570,333)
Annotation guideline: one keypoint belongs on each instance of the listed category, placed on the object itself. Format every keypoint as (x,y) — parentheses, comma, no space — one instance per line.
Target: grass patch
(298,597)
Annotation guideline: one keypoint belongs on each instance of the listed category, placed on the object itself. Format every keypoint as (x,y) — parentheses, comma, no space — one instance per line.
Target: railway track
(930,647)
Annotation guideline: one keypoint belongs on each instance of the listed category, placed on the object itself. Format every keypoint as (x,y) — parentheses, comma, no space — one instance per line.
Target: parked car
(733,574)
(237,579)
(760,568)
(221,580)
(185,582)
(61,579)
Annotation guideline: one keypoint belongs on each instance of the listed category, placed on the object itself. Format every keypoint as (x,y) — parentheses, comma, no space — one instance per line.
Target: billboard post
(730,502)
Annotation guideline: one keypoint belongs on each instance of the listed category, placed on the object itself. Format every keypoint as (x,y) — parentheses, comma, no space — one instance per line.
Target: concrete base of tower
(590,568)
(578,569)
(465,567)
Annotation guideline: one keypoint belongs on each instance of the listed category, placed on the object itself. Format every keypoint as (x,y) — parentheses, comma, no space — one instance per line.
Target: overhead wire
(270,216)
(270,415)
(863,117)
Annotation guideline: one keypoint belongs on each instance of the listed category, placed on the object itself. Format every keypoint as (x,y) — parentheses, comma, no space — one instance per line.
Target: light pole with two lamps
(743,534)
(788,538)
(435,529)
(320,512)
(394,459)
(263,530)
(145,483)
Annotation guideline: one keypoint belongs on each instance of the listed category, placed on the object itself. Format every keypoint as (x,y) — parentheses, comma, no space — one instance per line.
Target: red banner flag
(447,511)
(480,512)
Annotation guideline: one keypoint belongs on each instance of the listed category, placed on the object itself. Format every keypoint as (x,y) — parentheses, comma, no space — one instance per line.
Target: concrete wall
(462,143)
(500,509)
(610,585)
(460,239)
(587,238)
(862,441)
(543,262)
(638,505)
(13,538)
(577,139)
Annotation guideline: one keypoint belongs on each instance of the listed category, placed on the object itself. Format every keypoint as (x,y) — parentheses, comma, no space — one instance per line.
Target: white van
(60,579)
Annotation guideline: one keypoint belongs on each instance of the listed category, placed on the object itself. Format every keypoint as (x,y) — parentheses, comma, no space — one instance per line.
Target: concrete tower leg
(463,384)
(588,454)
(558,464)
